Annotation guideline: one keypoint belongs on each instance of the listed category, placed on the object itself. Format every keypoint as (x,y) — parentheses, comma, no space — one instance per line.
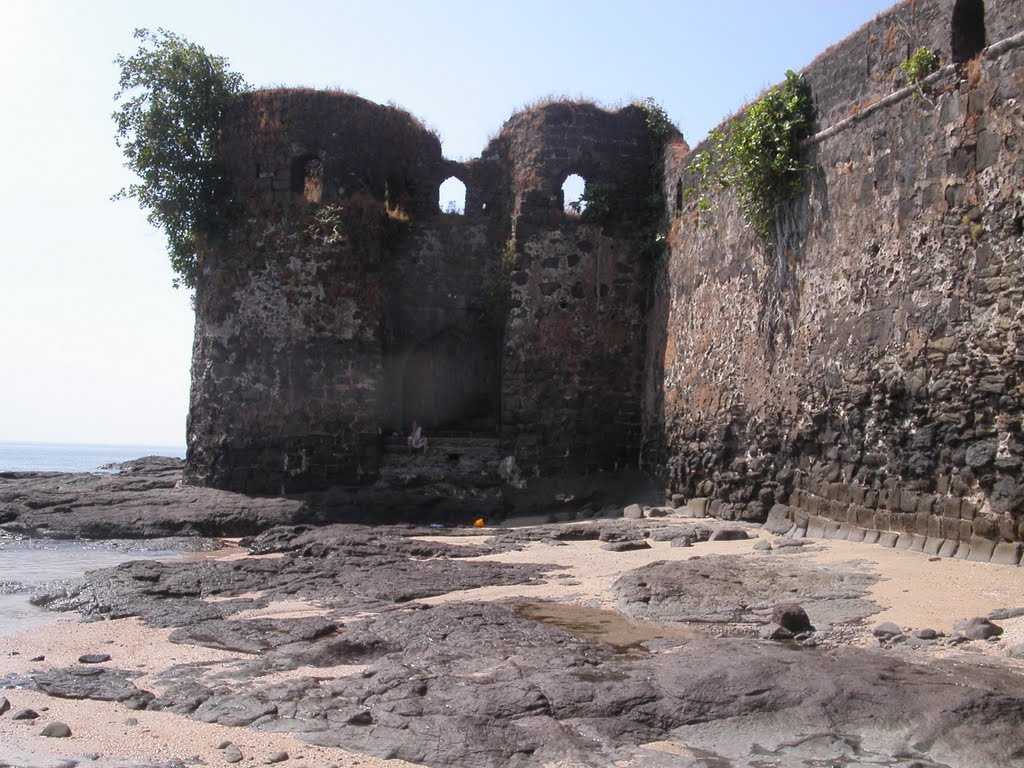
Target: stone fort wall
(343,305)
(865,371)
(868,369)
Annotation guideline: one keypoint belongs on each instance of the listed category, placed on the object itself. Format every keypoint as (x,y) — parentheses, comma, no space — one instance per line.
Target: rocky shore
(640,641)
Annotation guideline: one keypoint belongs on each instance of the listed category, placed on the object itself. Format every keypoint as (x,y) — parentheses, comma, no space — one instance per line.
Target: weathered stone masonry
(343,305)
(868,370)
(865,372)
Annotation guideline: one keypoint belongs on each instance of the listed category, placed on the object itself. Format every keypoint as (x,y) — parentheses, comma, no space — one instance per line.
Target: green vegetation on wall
(921,63)
(758,154)
(171,100)
(658,123)
(596,204)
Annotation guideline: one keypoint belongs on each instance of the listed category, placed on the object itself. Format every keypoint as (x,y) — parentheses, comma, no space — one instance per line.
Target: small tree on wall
(172,96)
(758,154)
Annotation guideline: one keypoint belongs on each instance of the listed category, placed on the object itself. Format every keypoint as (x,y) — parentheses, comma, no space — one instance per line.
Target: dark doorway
(450,382)
(967,38)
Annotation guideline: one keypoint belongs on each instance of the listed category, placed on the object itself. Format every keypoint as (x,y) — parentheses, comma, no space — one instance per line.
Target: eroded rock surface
(144,500)
(474,684)
(725,588)
(342,573)
(479,684)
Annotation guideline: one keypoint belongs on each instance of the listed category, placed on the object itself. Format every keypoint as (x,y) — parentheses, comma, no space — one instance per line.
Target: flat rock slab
(626,546)
(506,539)
(93,658)
(342,572)
(252,635)
(100,684)
(729,534)
(978,628)
(738,589)
(144,500)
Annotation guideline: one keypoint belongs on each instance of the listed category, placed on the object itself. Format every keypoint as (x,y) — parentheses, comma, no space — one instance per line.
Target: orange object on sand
(479,523)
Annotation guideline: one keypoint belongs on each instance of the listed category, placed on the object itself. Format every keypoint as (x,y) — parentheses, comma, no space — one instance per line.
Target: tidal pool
(28,565)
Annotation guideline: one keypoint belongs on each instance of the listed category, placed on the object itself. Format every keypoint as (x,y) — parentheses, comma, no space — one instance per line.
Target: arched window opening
(968,33)
(308,178)
(451,197)
(679,196)
(573,189)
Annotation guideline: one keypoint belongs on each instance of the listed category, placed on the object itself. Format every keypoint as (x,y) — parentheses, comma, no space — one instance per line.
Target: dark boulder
(978,628)
(792,617)
(56,731)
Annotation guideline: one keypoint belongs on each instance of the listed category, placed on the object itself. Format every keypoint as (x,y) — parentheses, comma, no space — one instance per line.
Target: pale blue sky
(95,344)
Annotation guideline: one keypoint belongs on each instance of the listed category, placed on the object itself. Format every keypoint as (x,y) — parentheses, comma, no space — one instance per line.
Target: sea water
(58,457)
(28,564)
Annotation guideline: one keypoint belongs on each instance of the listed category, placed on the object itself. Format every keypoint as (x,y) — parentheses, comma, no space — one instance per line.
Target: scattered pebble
(886,630)
(93,658)
(633,512)
(38,658)
(729,534)
(275,757)
(56,731)
(978,628)
(4,704)
(232,754)
(25,714)
(774,632)
(626,546)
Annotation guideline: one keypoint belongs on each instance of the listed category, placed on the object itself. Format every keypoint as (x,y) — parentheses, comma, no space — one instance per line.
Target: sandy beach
(911,591)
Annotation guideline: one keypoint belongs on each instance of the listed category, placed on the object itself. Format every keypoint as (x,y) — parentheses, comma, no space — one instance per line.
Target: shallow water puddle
(29,564)
(601,625)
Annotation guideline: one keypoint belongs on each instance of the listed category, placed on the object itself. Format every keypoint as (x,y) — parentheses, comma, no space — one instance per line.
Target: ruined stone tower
(344,305)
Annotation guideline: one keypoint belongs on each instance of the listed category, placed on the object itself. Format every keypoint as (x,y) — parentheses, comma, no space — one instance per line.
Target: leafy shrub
(921,63)
(595,204)
(658,123)
(758,154)
(172,97)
